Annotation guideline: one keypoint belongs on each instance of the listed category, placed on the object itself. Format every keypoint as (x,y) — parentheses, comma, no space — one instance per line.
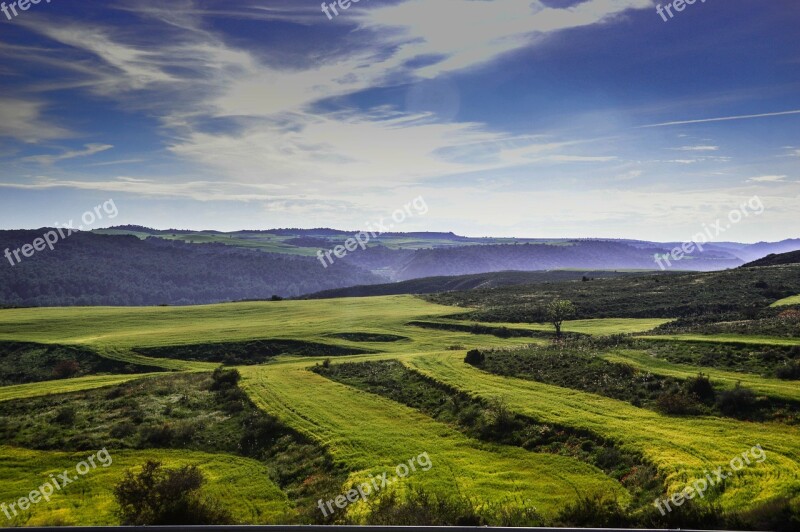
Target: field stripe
(785,302)
(38,389)
(242,484)
(371,434)
(642,360)
(723,338)
(682,448)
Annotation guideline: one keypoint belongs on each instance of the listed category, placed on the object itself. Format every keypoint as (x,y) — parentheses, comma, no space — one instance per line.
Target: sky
(541,119)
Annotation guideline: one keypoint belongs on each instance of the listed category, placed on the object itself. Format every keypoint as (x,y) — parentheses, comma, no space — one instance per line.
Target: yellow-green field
(793,300)
(89,499)
(368,434)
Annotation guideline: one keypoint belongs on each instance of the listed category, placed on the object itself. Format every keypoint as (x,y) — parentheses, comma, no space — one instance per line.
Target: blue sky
(544,118)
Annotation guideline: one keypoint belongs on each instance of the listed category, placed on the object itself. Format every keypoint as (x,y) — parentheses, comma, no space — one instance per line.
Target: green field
(725,339)
(368,434)
(89,500)
(793,300)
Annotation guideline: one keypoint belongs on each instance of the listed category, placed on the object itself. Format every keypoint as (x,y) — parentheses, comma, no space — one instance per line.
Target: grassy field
(793,300)
(89,500)
(682,448)
(368,434)
(599,326)
(726,379)
(724,339)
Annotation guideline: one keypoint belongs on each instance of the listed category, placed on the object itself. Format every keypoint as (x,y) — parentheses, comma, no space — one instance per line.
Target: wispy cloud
(23,119)
(88,151)
(767,179)
(696,148)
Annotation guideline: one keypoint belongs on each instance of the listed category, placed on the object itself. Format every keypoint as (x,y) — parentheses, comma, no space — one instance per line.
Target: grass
(367,434)
(789,390)
(89,500)
(682,448)
(371,434)
(597,327)
(725,339)
(38,389)
(785,302)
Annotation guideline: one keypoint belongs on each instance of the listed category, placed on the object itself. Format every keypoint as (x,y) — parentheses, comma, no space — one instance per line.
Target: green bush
(737,402)
(158,496)
(475,358)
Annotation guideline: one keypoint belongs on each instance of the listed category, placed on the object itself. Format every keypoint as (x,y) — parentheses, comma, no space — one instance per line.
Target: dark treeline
(93,269)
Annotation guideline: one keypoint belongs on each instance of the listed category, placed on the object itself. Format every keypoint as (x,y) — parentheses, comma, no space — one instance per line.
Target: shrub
(123,430)
(676,403)
(475,358)
(223,379)
(701,388)
(737,402)
(596,511)
(158,496)
(66,415)
(789,371)
(156,435)
(66,369)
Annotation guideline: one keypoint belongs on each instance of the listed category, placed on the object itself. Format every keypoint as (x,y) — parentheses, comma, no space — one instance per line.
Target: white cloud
(22,120)
(88,151)
(767,179)
(696,148)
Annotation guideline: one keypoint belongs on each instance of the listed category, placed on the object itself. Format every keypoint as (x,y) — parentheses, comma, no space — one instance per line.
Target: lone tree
(559,310)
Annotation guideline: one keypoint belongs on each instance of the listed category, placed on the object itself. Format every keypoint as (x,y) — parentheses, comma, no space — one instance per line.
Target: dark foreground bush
(789,371)
(595,511)
(421,508)
(738,402)
(475,358)
(158,496)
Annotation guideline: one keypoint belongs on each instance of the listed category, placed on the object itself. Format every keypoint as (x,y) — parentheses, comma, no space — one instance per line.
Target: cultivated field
(365,433)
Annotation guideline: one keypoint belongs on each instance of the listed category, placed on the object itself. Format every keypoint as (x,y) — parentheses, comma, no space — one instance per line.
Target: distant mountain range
(136,265)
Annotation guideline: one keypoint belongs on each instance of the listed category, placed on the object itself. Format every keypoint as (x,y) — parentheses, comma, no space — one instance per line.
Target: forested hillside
(92,269)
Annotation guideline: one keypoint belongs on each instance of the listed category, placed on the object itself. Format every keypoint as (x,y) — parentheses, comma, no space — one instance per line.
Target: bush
(737,402)
(475,358)
(156,435)
(596,511)
(66,415)
(223,379)
(789,371)
(676,403)
(701,388)
(158,496)
(66,369)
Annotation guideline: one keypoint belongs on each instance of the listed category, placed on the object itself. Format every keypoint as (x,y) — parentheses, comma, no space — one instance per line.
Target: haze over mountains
(133,265)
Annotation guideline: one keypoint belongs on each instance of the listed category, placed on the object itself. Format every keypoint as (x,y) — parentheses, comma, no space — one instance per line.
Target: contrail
(723,119)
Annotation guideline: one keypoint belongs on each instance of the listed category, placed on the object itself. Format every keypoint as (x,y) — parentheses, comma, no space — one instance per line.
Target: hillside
(404,256)
(776,259)
(134,265)
(733,294)
(93,269)
(430,285)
